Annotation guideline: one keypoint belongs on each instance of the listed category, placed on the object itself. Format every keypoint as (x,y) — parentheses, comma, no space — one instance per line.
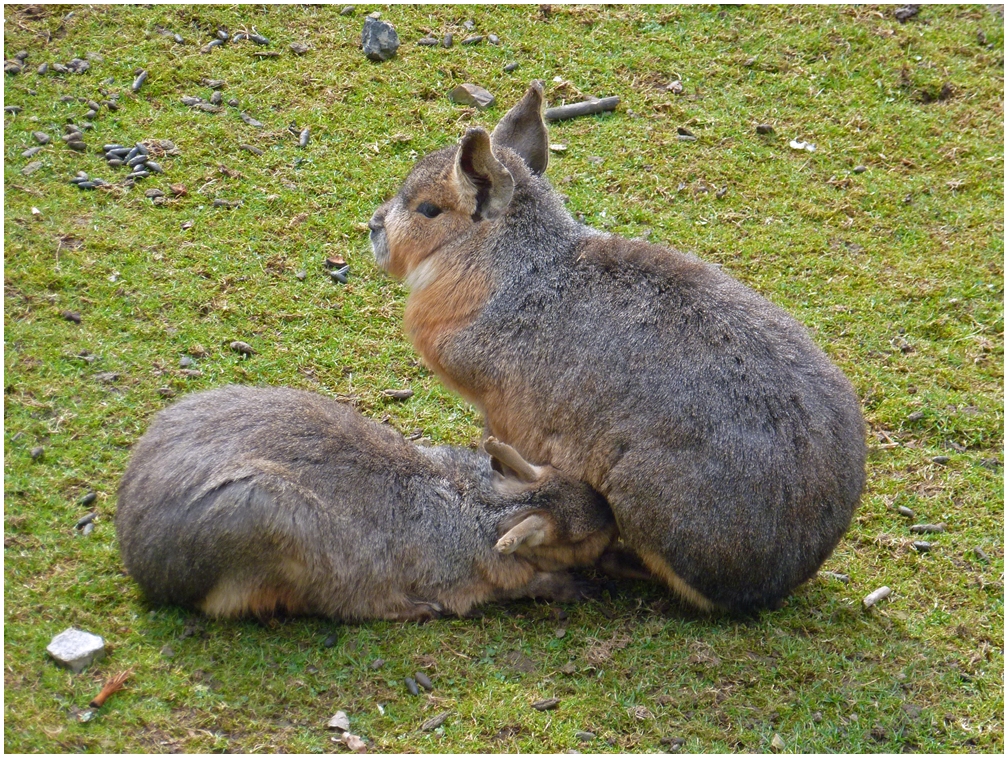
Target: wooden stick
(111,687)
(586,108)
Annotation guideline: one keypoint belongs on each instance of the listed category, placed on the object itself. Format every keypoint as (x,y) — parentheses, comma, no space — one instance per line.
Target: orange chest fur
(437,312)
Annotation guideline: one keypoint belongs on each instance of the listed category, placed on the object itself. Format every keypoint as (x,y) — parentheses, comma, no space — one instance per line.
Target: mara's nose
(377,221)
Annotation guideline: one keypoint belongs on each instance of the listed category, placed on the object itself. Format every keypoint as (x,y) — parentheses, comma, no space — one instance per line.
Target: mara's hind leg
(620,562)
(554,586)
(282,590)
(412,610)
(660,568)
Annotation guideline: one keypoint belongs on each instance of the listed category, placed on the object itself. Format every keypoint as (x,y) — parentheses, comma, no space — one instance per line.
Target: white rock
(76,649)
(340,721)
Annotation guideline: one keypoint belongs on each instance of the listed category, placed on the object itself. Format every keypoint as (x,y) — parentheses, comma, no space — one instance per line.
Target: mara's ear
(523,130)
(484,185)
(532,530)
(509,458)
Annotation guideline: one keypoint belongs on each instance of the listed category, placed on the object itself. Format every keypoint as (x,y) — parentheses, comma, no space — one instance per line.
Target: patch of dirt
(516,660)
(601,651)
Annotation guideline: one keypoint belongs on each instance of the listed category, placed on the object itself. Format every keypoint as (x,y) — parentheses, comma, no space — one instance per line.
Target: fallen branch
(586,108)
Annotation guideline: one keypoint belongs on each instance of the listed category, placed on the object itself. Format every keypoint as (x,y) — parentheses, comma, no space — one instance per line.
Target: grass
(897,271)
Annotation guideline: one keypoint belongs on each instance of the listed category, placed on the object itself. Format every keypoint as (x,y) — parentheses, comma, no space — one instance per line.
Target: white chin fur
(379,246)
(421,276)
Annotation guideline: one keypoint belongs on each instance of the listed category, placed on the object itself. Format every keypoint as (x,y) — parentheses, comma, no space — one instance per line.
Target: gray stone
(471,94)
(584,736)
(76,649)
(379,39)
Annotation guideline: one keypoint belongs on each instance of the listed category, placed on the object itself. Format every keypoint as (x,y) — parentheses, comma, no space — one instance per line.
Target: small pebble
(927,529)
(922,547)
(339,721)
(873,597)
(411,686)
(915,416)
(424,681)
(71,316)
(222,35)
(77,145)
(435,721)
(249,120)
(259,39)
(860,169)
(233,102)
(88,528)
(473,40)
(584,736)
(43,69)
(75,135)
(330,640)
(469,24)
(493,39)
(152,193)
(299,48)
(347,10)
(178,38)
(216,97)
(340,274)
(31,168)
(91,114)
(301,274)
(31,151)
(155,167)
(41,137)
(303,138)
(510,67)
(12,67)
(85,520)
(549,704)
(904,511)
(428,42)
(141,77)
(449,38)
(242,347)
(88,499)
(36,453)
(377,663)
(940,459)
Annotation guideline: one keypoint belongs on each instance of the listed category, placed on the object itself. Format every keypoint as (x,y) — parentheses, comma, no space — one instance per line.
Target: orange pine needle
(112,686)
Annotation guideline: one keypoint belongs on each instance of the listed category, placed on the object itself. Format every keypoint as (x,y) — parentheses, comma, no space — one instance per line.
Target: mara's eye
(428,209)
